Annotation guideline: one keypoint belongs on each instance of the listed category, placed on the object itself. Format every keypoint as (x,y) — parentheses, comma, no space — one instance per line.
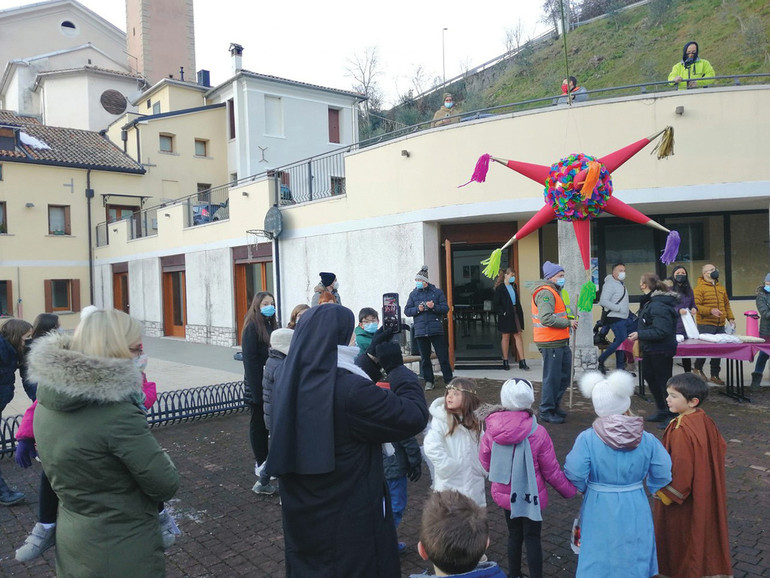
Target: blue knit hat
(551,269)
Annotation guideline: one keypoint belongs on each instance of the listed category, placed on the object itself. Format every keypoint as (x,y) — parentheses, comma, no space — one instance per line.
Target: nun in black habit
(329,423)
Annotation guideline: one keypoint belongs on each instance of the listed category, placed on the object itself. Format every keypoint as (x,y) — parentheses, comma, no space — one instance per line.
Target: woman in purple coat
(686,302)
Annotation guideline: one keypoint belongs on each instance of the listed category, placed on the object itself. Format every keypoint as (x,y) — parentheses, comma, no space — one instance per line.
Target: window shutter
(75,290)
(48,290)
(67,227)
(9,296)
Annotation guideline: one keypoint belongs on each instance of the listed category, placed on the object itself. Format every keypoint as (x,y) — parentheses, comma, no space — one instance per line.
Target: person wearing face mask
(510,317)
(614,300)
(448,113)
(552,320)
(368,322)
(328,284)
(657,340)
(573,92)
(688,72)
(685,302)
(259,323)
(713,310)
(427,304)
(763,307)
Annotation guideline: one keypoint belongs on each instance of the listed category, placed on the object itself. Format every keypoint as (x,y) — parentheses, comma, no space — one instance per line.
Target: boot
(9,497)
(756,380)
(523,364)
(506,365)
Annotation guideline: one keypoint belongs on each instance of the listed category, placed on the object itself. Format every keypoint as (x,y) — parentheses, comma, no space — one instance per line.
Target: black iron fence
(171,407)
(313,178)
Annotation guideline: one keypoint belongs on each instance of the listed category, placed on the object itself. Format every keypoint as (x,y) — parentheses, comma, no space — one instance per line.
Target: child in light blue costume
(610,463)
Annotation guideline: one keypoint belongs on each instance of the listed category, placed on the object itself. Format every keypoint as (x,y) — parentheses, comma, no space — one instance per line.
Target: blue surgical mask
(268,310)
(418,284)
(767,288)
(512,279)
(560,282)
(449,104)
(371,327)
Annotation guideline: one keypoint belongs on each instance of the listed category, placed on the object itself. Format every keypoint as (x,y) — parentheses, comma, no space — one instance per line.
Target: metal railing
(206,206)
(171,407)
(313,178)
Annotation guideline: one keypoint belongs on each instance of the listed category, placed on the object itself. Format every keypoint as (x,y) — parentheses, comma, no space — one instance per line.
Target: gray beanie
(422,274)
(280,340)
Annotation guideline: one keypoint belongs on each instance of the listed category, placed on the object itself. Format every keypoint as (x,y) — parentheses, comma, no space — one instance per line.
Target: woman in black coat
(510,317)
(329,422)
(259,323)
(656,332)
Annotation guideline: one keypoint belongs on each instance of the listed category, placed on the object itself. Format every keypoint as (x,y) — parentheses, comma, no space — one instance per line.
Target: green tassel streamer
(493,264)
(587,296)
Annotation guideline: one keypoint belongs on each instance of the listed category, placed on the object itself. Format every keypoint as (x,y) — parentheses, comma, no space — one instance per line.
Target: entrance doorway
(474,331)
(120,291)
(174,304)
(250,279)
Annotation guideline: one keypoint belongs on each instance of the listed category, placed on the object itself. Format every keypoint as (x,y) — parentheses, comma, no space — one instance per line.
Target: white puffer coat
(455,458)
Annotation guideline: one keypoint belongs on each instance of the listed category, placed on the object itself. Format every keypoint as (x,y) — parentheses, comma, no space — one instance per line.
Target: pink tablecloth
(698,348)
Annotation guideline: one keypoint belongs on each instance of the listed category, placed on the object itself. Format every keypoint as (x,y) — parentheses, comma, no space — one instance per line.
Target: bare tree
(513,37)
(419,79)
(552,12)
(364,69)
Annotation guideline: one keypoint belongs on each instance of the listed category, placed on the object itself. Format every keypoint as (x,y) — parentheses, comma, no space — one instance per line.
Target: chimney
(204,77)
(236,51)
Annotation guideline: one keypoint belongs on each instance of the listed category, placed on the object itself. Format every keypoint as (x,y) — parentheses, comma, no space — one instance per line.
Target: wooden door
(120,292)
(174,304)
(250,279)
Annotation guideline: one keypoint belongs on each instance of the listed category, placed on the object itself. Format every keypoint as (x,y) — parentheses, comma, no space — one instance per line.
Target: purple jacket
(511,427)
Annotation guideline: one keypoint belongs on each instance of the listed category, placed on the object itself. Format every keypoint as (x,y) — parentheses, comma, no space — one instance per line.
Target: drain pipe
(89,196)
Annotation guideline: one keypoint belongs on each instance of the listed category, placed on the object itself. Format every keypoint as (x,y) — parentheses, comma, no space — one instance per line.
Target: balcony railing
(314,178)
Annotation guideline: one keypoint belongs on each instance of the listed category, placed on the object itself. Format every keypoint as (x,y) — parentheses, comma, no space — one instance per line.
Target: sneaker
(401,547)
(715,379)
(168,529)
(266,489)
(428,385)
(700,374)
(36,543)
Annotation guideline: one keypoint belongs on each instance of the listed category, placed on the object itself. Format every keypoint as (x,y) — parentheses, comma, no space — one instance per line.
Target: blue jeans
(557,363)
(397,489)
(442,353)
(620,331)
(716,362)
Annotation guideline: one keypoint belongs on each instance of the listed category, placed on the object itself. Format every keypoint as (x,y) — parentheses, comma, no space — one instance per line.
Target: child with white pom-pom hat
(610,463)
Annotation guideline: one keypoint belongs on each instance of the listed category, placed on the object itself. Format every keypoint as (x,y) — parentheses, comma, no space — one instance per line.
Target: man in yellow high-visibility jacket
(552,320)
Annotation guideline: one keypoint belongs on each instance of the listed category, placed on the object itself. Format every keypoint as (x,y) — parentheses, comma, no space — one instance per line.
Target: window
(204,191)
(149,103)
(273,116)
(59,220)
(166,142)
(334,125)
(1,172)
(3,222)
(201,147)
(7,139)
(119,212)
(6,298)
(233,178)
(156,108)
(338,185)
(231,117)
(62,295)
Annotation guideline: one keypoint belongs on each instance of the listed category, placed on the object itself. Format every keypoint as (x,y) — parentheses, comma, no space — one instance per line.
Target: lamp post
(443,55)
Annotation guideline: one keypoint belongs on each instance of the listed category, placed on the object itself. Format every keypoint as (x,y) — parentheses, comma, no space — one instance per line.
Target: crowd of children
(613,464)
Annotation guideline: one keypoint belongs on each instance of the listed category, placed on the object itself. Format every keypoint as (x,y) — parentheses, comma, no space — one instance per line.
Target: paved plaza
(230,531)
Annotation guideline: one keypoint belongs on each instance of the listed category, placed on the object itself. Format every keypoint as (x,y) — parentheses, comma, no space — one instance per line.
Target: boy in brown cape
(691,516)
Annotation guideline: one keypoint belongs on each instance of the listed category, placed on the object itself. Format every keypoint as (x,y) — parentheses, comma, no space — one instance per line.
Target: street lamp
(443,55)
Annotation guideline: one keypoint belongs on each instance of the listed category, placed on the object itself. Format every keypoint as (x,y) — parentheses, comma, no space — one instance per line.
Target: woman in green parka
(97,450)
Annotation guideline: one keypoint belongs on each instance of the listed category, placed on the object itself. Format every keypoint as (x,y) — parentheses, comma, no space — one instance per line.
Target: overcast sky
(312,41)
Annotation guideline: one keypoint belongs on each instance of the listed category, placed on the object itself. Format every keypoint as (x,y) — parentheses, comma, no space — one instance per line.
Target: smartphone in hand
(391,312)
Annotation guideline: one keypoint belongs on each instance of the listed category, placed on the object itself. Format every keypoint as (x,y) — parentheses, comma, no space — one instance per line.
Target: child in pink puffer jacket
(520,459)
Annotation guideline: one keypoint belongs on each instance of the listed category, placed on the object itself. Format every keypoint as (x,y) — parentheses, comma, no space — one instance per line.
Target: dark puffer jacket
(657,324)
(763,307)
(407,456)
(274,362)
(429,321)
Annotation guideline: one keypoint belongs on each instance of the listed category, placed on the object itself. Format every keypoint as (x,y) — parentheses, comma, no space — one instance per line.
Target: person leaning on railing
(691,69)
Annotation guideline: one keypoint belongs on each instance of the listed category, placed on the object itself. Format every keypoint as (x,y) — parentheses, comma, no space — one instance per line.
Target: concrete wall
(210,290)
(144,286)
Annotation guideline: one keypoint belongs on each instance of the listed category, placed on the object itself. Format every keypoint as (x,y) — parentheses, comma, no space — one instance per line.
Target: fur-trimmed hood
(68,380)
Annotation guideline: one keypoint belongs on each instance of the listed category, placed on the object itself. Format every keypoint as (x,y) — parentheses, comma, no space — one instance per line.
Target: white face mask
(622,276)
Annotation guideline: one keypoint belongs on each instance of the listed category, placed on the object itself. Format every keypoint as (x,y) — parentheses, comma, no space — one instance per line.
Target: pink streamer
(480,172)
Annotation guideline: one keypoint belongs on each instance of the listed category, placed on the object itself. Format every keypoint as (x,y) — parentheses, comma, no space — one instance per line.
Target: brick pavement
(229,531)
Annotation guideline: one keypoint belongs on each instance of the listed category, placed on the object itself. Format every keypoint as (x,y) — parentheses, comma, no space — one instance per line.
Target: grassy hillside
(642,45)
(635,46)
